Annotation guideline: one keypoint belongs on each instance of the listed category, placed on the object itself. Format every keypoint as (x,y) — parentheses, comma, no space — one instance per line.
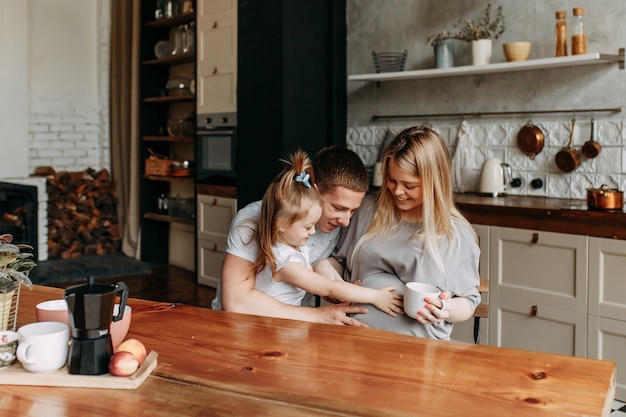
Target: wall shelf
(501,67)
(169,99)
(182,139)
(165,178)
(168,219)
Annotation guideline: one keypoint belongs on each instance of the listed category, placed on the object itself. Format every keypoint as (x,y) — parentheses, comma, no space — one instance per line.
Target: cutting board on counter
(17,375)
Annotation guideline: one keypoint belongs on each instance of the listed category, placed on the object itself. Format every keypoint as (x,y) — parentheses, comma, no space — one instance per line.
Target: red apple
(123,364)
(135,347)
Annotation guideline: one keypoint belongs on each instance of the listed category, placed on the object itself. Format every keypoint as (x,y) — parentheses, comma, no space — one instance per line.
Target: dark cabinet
(291,90)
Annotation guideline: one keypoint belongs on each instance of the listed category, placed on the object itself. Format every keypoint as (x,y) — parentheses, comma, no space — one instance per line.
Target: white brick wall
(71,140)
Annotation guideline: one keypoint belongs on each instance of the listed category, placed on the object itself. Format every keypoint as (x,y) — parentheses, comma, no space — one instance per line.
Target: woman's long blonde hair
(287,199)
(422,152)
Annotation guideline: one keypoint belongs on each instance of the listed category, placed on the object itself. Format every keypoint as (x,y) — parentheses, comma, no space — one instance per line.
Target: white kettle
(494,177)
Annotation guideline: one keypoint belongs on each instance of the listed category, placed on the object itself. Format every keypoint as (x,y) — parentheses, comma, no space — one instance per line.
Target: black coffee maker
(91,311)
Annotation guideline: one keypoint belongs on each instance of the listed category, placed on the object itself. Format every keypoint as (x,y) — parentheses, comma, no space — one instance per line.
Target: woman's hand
(437,310)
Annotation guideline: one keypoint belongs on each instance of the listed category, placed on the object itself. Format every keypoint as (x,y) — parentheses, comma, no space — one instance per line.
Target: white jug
(494,177)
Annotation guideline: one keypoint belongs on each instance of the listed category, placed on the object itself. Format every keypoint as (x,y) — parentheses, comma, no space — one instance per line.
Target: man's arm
(239,295)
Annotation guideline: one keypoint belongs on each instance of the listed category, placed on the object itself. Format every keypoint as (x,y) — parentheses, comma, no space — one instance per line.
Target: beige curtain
(125,131)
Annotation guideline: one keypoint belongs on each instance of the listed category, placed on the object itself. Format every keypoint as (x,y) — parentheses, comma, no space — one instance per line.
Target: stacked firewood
(82,214)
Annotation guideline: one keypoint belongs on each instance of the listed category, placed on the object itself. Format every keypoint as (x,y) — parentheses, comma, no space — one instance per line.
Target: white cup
(43,346)
(414,294)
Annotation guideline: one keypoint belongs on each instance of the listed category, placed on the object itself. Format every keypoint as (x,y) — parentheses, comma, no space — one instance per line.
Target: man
(341,180)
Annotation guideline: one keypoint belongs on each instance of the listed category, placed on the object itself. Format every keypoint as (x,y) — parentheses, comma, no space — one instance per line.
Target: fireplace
(18,213)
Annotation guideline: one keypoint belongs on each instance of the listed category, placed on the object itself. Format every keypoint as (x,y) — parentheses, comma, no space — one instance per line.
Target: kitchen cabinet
(464,332)
(217,56)
(501,67)
(607,305)
(214,213)
(538,291)
(166,235)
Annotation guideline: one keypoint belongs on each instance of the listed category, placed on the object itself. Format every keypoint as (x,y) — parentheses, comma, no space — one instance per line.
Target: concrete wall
(400,24)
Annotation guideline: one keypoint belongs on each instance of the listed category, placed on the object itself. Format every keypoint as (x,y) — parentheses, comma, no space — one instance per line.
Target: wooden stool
(482,310)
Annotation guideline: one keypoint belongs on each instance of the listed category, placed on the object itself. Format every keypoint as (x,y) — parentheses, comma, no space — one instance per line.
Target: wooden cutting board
(17,375)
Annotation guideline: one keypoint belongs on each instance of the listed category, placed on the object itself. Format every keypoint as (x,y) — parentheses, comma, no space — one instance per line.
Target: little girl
(290,209)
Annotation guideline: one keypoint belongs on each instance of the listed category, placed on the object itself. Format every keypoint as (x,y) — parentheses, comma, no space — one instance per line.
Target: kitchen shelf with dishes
(169,99)
(171,60)
(496,68)
(167,135)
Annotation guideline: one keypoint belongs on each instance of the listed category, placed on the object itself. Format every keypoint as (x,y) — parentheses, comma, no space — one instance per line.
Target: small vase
(481,52)
(444,54)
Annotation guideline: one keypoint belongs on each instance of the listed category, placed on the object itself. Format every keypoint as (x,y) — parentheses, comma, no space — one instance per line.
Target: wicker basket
(155,166)
(9,300)
(389,61)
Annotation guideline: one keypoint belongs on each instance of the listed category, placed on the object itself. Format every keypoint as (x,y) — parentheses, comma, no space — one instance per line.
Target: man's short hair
(337,166)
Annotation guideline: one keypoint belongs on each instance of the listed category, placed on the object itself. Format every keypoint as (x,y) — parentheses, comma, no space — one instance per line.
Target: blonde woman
(412,231)
(290,209)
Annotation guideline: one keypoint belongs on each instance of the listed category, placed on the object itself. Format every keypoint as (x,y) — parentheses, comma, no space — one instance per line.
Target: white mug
(414,294)
(43,346)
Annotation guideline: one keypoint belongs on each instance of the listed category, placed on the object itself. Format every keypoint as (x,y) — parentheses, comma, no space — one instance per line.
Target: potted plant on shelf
(481,34)
(443,46)
(14,269)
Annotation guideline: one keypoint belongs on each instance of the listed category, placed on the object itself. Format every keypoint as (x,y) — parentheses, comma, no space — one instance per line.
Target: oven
(216,145)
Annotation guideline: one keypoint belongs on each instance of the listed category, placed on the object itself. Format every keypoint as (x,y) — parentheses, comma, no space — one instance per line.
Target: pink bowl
(52,310)
(119,329)
(56,310)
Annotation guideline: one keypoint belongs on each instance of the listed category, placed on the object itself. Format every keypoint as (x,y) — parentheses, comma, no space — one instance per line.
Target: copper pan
(591,148)
(530,140)
(568,159)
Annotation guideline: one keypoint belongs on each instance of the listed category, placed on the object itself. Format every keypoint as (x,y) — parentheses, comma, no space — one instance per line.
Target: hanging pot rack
(493,113)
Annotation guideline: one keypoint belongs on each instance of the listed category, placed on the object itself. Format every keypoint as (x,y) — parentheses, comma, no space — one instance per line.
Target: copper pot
(568,159)
(530,140)
(591,148)
(605,198)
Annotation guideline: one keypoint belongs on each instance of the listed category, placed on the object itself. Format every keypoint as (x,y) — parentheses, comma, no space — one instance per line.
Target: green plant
(14,265)
(483,28)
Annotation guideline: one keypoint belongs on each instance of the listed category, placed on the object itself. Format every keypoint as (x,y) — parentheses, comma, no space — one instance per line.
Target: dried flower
(435,38)
(484,28)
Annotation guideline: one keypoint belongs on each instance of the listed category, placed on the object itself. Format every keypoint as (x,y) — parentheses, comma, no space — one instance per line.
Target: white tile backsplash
(493,139)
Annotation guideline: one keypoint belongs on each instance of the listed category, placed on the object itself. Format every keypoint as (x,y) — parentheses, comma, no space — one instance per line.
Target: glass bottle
(561,34)
(179,40)
(159,11)
(172,8)
(579,39)
(190,39)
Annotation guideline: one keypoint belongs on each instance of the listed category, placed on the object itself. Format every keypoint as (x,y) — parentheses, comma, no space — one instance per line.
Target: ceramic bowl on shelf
(516,51)
(180,127)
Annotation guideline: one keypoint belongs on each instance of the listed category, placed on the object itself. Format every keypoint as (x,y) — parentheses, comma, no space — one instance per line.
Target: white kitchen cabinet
(216,56)
(607,305)
(538,291)
(213,222)
(464,332)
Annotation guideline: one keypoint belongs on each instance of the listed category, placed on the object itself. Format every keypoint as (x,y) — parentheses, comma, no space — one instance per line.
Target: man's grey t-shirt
(241,244)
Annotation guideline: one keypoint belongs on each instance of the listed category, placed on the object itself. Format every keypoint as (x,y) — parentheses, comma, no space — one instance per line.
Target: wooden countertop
(544,214)
(220,364)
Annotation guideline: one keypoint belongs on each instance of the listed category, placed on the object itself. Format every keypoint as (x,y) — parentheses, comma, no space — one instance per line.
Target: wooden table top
(219,363)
